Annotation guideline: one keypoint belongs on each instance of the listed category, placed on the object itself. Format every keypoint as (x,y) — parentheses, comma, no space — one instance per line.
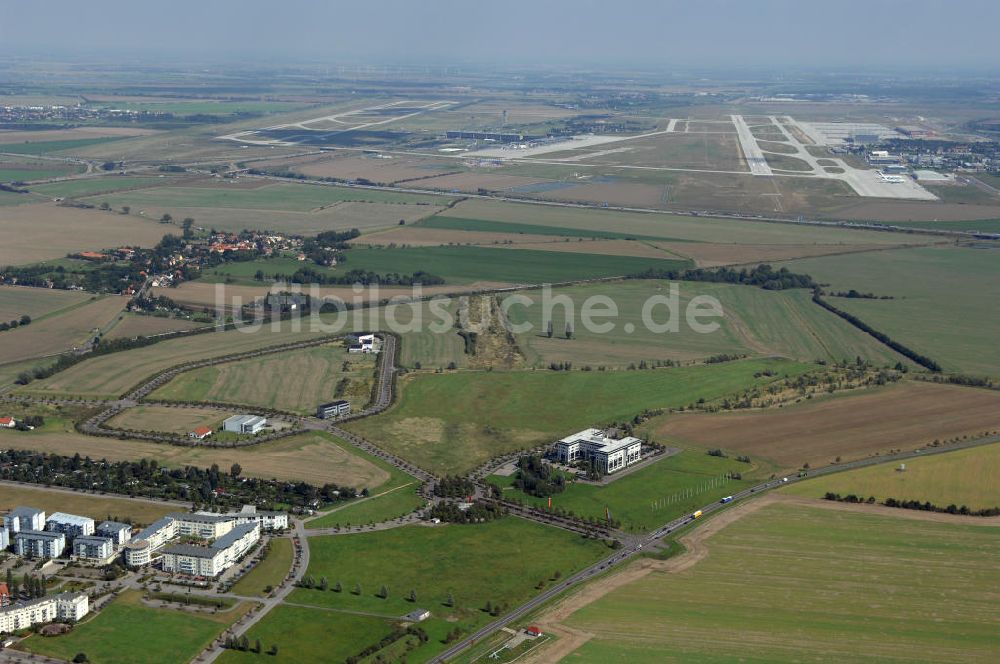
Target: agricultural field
(467,264)
(309,457)
(107,376)
(46,231)
(234,205)
(22,169)
(127,627)
(754,322)
(452,422)
(940,300)
(850,425)
(95,506)
(269,572)
(500,562)
(311,635)
(131,325)
(169,420)
(963,477)
(16,301)
(646,498)
(374,169)
(297,380)
(97,185)
(60,330)
(841,586)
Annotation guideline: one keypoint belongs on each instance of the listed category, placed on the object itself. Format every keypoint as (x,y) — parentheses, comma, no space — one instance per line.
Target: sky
(654,34)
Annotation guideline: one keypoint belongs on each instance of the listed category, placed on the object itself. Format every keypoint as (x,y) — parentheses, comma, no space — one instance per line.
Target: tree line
(924,506)
(763,276)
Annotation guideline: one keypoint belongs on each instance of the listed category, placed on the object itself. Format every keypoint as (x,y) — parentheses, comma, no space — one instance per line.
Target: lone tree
(166,218)
(235,470)
(274,650)
(357,588)
(548,330)
(126,209)
(413,595)
(337,587)
(80,658)
(450,602)
(383,592)
(569,330)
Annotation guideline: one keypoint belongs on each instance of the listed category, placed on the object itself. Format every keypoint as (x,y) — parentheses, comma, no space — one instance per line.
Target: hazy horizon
(887,35)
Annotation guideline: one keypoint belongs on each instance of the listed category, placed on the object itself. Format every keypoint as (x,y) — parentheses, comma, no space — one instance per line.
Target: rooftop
(93,539)
(243,420)
(113,526)
(26,511)
(62,517)
(199,517)
(39,534)
(192,551)
(233,535)
(600,439)
(154,527)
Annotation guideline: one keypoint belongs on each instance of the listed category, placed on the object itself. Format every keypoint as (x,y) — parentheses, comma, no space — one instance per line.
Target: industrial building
(70,525)
(333,409)
(608,455)
(244,424)
(39,544)
(64,606)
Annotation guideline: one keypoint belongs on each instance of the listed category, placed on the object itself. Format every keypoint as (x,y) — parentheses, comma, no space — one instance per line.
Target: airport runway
(752,153)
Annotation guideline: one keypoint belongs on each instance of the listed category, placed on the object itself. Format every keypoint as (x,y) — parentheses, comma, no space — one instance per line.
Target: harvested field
(602,247)
(968,477)
(170,420)
(613,193)
(298,380)
(712,255)
(45,231)
(916,211)
(311,457)
(15,301)
(135,325)
(386,171)
(471,182)
(61,331)
(851,426)
(917,592)
(423,236)
(8,137)
(94,506)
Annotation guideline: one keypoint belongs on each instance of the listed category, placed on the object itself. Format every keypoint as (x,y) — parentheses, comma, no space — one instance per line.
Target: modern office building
(333,409)
(608,455)
(244,424)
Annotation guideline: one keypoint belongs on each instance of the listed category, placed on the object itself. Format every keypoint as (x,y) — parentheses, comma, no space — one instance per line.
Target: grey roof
(26,511)
(92,539)
(154,527)
(63,517)
(200,518)
(338,402)
(243,419)
(236,533)
(39,534)
(113,526)
(192,551)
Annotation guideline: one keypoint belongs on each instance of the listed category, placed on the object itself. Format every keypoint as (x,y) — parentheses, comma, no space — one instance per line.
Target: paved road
(635,547)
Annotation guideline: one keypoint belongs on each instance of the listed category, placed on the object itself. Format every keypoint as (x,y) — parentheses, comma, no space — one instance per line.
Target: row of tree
(763,276)
(924,506)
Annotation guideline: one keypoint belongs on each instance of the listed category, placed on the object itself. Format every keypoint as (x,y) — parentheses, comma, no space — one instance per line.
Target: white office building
(64,606)
(70,525)
(608,455)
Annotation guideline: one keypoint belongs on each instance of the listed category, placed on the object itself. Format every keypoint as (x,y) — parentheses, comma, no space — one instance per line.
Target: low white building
(608,455)
(64,606)
(97,549)
(244,424)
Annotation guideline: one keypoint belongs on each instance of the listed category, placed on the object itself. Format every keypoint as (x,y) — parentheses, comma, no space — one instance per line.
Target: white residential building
(267,519)
(70,525)
(245,424)
(608,455)
(39,544)
(206,526)
(64,606)
(27,518)
(4,538)
(139,551)
(210,561)
(94,549)
(121,533)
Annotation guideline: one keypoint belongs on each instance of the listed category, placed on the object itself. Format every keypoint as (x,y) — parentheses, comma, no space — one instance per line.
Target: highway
(624,554)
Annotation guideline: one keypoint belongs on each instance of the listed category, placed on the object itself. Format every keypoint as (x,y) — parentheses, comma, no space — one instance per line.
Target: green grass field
(46,147)
(310,635)
(499,562)
(297,381)
(269,572)
(282,196)
(943,306)
(465,264)
(796,584)
(90,186)
(485,225)
(97,507)
(37,302)
(451,422)
(964,477)
(14,174)
(126,631)
(649,497)
(755,322)
(182,107)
